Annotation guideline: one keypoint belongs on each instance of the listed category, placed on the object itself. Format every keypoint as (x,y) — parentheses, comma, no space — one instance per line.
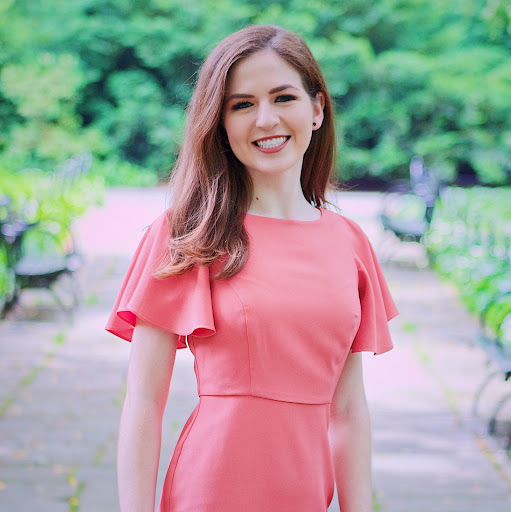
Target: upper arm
(153,352)
(349,395)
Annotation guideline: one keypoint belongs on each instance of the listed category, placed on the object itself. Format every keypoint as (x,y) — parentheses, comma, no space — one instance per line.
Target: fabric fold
(178,304)
(376,303)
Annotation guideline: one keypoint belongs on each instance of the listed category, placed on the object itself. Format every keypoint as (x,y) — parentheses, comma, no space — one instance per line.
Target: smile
(271,143)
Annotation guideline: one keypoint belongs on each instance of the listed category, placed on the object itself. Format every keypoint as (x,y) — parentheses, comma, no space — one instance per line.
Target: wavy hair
(211,189)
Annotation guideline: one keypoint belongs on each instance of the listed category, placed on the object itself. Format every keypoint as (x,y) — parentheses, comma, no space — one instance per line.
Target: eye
(241,104)
(284,98)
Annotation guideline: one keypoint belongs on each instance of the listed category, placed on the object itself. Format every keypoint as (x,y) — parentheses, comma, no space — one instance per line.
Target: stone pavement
(62,386)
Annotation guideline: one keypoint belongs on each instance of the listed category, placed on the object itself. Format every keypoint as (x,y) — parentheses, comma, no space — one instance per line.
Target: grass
(30,376)
(409,327)
(74,500)
(8,401)
(377,504)
(100,453)
(92,299)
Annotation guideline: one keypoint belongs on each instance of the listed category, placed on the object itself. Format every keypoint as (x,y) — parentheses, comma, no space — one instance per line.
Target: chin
(274,170)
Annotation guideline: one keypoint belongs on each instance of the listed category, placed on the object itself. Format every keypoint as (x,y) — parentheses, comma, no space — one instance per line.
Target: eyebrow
(272,91)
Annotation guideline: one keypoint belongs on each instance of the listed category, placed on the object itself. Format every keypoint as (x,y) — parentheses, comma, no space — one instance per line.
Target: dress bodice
(282,327)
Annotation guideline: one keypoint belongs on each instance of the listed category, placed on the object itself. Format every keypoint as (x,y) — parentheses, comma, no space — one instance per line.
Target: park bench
(469,243)
(11,235)
(495,340)
(38,256)
(407,209)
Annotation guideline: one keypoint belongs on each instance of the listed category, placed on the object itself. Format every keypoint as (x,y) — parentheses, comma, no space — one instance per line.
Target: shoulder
(159,228)
(161,221)
(350,230)
(155,238)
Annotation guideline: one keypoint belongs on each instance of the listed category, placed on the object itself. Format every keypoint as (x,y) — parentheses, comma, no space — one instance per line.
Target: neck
(281,196)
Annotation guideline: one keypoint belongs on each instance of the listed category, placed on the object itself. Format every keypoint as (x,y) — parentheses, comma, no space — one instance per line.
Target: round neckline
(280,219)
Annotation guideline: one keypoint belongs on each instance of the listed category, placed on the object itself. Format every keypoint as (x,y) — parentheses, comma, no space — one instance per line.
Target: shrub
(470,244)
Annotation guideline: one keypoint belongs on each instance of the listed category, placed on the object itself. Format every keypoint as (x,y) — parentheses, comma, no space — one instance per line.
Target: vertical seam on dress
(178,455)
(247,335)
(195,364)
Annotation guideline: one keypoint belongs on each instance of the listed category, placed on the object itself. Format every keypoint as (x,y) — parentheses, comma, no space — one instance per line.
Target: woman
(274,295)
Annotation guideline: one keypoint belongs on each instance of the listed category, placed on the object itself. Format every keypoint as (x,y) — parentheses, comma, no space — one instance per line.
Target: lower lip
(276,149)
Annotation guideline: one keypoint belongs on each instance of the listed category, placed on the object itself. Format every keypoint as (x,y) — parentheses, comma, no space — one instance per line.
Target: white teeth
(271,143)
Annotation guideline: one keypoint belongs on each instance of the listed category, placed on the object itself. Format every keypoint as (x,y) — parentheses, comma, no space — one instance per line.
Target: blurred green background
(428,77)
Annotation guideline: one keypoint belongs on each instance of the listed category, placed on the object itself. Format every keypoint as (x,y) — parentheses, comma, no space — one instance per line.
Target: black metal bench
(11,235)
(43,263)
(407,208)
(498,350)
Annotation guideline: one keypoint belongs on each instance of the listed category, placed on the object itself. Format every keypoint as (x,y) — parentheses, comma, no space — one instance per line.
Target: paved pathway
(62,385)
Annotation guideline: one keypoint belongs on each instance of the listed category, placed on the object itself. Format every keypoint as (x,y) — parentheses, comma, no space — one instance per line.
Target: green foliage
(57,78)
(470,244)
(114,76)
(5,274)
(117,172)
(48,201)
(44,91)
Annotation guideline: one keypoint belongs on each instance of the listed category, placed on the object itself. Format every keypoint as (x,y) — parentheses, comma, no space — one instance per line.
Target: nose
(266,116)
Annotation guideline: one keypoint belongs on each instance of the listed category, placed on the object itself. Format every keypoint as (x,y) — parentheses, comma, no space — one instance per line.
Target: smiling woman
(268,112)
(215,187)
(273,294)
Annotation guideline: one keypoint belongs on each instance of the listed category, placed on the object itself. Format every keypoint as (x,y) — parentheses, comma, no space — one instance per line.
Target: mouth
(271,142)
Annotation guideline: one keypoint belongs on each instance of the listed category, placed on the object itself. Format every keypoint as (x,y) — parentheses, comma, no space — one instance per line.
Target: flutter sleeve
(179,304)
(376,303)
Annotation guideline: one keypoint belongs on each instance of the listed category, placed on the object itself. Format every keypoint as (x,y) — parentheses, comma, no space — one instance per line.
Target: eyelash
(241,105)
(284,98)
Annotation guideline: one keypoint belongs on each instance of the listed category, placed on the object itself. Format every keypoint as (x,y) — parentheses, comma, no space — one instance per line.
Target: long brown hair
(211,189)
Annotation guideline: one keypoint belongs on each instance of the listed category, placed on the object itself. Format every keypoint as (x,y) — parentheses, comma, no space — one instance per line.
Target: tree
(406,76)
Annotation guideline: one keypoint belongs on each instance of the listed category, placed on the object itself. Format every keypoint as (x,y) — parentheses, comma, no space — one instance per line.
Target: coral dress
(269,346)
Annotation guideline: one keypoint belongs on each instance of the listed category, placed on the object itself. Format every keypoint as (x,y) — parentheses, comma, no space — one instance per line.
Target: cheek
(235,137)
(232,129)
(302,121)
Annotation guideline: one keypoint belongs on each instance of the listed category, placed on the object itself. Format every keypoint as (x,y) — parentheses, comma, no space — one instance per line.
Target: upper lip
(271,137)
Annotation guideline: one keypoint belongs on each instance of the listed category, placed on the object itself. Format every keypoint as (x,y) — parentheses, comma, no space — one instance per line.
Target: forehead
(261,69)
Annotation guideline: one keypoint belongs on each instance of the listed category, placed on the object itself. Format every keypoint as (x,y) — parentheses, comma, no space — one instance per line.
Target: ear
(318,104)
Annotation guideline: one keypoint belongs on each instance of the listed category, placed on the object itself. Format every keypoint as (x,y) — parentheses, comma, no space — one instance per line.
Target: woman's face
(268,115)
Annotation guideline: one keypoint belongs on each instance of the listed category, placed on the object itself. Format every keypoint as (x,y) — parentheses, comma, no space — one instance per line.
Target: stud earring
(313,124)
